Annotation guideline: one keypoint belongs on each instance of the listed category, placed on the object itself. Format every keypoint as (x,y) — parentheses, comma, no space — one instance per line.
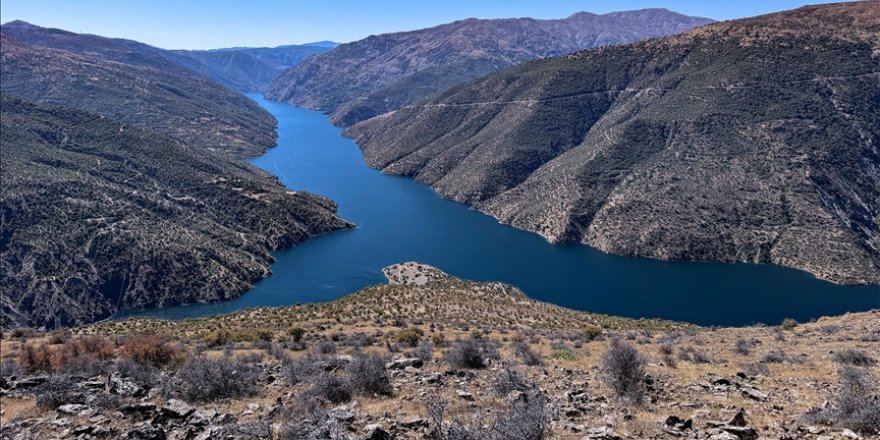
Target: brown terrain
(391,361)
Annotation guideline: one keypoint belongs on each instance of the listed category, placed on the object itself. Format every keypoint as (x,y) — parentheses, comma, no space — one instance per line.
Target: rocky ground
(432,356)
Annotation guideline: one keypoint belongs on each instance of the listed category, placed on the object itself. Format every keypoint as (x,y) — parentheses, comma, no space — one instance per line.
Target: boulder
(177,409)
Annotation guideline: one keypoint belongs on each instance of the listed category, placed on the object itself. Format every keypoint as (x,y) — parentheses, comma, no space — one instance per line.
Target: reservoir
(401,220)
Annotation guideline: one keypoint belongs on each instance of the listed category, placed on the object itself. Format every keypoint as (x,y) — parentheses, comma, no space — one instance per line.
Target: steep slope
(96,215)
(246,69)
(751,140)
(132,83)
(359,80)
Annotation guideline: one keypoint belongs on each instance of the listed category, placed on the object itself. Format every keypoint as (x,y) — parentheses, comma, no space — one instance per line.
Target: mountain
(750,140)
(248,69)
(133,83)
(359,80)
(97,215)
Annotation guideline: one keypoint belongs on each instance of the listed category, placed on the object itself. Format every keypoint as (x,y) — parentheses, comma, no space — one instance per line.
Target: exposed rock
(177,409)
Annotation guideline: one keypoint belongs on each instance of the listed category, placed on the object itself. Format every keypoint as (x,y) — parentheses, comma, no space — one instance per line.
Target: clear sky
(205,24)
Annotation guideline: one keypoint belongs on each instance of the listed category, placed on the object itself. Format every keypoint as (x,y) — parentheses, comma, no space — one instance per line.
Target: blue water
(401,220)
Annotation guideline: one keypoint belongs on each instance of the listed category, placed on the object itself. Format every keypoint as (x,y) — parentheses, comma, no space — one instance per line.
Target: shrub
(788,324)
(32,359)
(592,332)
(298,370)
(326,346)
(205,380)
(296,333)
(151,350)
(774,357)
(84,355)
(852,356)
(563,355)
(367,375)
(856,406)
(409,337)
(757,369)
(743,346)
(510,380)
(425,352)
(438,340)
(525,419)
(693,355)
(145,375)
(529,357)
(333,388)
(471,353)
(57,390)
(624,371)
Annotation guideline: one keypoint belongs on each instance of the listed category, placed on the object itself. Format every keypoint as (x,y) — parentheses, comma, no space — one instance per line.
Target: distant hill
(749,140)
(132,83)
(248,69)
(96,215)
(359,80)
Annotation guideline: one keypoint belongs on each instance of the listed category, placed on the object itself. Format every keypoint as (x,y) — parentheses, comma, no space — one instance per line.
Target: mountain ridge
(731,142)
(359,80)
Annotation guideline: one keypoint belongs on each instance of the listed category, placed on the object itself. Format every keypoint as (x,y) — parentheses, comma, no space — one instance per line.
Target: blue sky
(205,24)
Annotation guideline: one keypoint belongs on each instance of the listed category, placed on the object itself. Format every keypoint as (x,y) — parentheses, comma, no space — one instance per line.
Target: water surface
(401,220)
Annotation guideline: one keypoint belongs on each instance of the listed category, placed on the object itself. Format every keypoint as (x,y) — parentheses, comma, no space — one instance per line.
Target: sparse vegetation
(204,380)
(624,371)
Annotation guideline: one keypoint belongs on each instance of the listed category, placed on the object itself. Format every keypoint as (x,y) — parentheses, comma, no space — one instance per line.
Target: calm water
(401,220)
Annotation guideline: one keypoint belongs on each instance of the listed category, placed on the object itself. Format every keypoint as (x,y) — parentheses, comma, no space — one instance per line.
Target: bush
(744,347)
(693,355)
(854,357)
(409,337)
(425,352)
(300,369)
(83,355)
(333,388)
(624,371)
(144,375)
(57,390)
(510,380)
(529,357)
(296,333)
(151,350)
(367,375)
(774,357)
(525,419)
(205,380)
(592,332)
(856,406)
(788,324)
(471,353)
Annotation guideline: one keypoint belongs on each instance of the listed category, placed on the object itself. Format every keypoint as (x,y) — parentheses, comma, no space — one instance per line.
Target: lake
(401,220)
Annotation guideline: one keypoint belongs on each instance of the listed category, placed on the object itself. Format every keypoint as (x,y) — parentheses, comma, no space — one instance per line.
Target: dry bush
(84,355)
(205,380)
(624,371)
(152,350)
(367,375)
(473,353)
(855,406)
(855,357)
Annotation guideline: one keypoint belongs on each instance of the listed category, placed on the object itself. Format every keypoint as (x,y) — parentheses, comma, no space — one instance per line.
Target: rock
(738,420)
(75,409)
(754,394)
(202,418)
(515,396)
(146,431)
(603,433)
(678,423)
(122,387)
(849,434)
(30,382)
(375,432)
(178,409)
(742,433)
(400,364)
(144,408)
(342,414)
(413,422)
(464,395)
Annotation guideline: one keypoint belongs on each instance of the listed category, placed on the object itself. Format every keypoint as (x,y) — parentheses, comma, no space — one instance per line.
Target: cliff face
(96,215)
(751,140)
(359,80)
(133,83)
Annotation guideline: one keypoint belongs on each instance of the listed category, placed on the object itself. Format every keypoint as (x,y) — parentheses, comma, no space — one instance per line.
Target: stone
(76,409)
(375,432)
(464,395)
(146,431)
(342,414)
(178,409)
(413,422)
(402,363)
(742,433)
(138,408)
(603,433)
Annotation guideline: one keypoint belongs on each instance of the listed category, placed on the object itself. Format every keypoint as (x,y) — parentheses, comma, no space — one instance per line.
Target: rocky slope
(132,83)
(384,363)
(359,80)
(750,140)
(96,215)
(246,69)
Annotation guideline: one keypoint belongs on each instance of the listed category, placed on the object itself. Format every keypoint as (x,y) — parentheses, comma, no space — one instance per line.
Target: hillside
(749,140)
(432,356)
(359,80)
(97,215)
(247,69)
(133,83)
